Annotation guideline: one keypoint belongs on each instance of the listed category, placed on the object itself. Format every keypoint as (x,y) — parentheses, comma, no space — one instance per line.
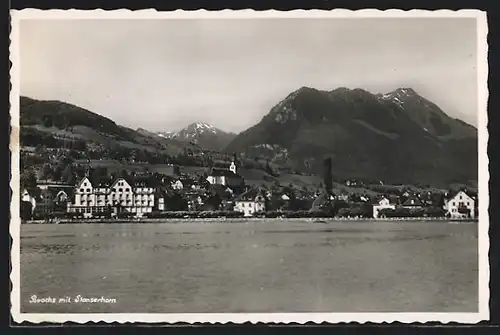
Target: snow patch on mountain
(398,96)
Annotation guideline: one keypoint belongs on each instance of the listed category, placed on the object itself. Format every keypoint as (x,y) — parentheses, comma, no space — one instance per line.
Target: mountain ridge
(367,135)
(202,134)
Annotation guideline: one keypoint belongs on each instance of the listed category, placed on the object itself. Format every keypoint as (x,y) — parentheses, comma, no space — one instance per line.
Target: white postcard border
(300,318)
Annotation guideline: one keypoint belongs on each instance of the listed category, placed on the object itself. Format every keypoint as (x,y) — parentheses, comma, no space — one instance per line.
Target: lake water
(273,266)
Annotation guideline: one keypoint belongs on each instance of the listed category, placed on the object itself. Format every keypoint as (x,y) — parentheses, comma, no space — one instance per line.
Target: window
(127,189)
(120,190)
(88,190)
(453,203)
(84,184)
(81,190)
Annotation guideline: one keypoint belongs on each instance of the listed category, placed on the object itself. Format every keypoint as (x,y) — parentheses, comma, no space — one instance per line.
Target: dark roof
(223,172)
(221,164)
(250,195)
(416,201)
(105,182)
(34,192)
(218,189)
(52,192)
(143,182)
(161,192)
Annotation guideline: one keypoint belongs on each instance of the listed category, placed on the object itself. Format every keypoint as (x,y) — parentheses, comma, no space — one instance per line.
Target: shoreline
(229,220)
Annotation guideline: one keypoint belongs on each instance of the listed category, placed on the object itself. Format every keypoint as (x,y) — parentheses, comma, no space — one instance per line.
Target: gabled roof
(416,201)
(451,195)
(79,184)
(215,172)
(249,195)
(53,192)
(34,192)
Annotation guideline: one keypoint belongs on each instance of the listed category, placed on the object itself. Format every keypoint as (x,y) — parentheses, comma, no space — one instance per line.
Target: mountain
(43,120)
(428,115)
(202,134)
(399,137)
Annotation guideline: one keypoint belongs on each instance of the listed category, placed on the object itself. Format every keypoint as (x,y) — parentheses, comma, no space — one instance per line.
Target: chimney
(327,180)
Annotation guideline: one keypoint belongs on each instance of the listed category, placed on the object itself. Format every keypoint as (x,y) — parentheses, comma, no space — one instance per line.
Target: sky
(163,74)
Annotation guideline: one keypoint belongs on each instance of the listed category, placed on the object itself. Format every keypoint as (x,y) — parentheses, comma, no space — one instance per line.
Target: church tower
(232,167)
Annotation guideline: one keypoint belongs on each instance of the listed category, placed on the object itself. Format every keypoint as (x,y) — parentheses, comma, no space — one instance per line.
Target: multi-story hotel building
(121,196)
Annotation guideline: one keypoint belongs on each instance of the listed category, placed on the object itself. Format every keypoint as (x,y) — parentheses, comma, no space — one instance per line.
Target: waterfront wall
(183,220)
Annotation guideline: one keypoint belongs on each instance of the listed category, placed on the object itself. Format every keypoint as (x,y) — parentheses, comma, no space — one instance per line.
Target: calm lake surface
(274,266)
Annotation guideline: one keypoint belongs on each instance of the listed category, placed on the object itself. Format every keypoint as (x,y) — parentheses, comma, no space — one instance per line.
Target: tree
(47,121)
(213,203)
(57,173)
(26,210)
(47,172)
(68,175)
(176,202)
(28,179)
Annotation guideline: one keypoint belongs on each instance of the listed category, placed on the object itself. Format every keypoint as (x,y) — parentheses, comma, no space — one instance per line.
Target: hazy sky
(164,74)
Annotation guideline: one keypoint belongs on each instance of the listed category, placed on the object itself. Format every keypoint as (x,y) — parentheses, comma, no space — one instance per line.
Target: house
(45,184)
(160,196)
(120,196)
(461,204)
(223,176)
(53,200)
(382,203)
(177,185)
(194,200)
(250,202)
(30,197)
(412,202)
(343,197)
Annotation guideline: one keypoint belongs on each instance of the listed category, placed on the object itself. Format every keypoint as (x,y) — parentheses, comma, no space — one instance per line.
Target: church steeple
(232,167)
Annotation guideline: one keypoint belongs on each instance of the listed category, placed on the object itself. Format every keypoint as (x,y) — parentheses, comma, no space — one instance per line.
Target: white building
(226,177)
(460,205)
(250,202)
(177,185)
(30,197)
(119,197)
(382,203)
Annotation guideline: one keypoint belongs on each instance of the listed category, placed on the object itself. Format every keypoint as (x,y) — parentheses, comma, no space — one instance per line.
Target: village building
(250,202)
(31,197)
(53,200)
(227,177)
(459,205)
(46,184)
(194,200)
(382,203)
(160,197)
(177,185)
(121,196)
(412,202)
